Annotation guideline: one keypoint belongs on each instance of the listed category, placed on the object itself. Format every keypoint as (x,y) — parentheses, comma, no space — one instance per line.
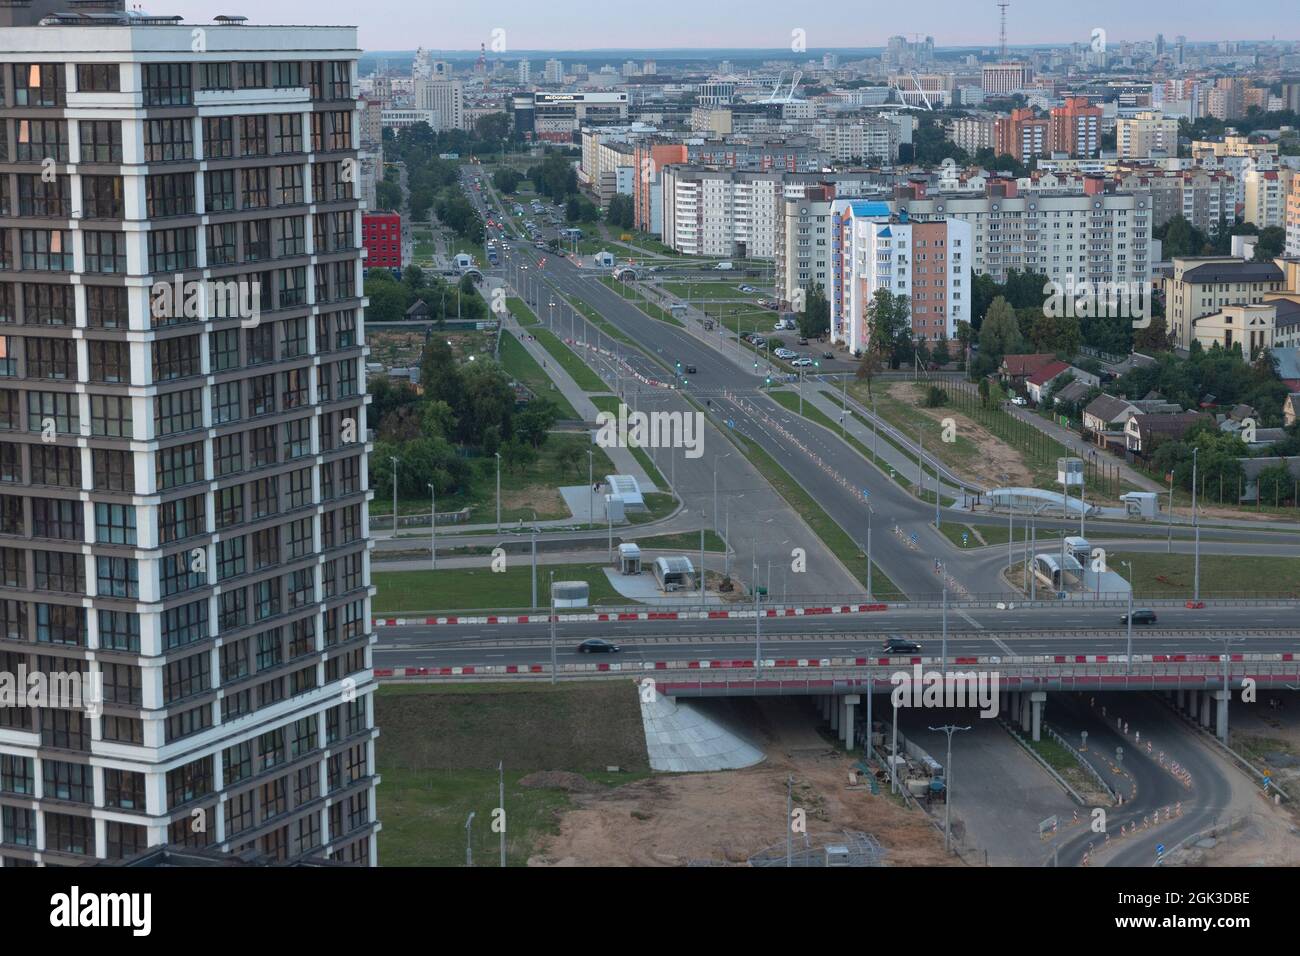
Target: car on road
(1020,400)
(596,645)
(802,362)
(828,355)
(1140,616)
(902,645)
(690,370)
(747,289)
(784,353)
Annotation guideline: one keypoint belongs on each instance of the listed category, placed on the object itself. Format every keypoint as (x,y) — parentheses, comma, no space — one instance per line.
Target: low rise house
(1145,432)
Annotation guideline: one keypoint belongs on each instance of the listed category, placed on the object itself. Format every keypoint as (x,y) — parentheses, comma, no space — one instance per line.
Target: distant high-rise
(554,72)
(525,72)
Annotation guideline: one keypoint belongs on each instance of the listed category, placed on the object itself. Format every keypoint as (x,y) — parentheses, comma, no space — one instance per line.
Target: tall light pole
(1128,653)
(498,457)
(705,521)
(870,514)
(591,489)
(758,624)
(943,654)
(552,622)
(533,536)
(395,462)
(1196,525)
(501,802)
(433,527)
(948,729)
(469,846)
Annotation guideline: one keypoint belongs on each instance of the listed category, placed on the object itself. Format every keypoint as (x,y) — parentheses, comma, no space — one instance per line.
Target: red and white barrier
(617,616)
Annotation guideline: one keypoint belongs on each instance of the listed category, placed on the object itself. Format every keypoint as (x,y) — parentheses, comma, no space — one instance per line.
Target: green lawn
(685,541)
(630,292)
(659,504)
(520,310)
(561,461)
(441,744)
(524,368)
(1223,575)
(695,291)
(579,371)
(465,589)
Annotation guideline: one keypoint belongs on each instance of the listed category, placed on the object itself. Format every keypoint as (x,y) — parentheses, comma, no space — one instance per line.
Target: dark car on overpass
(1140,616)
(902,645)
(596,645)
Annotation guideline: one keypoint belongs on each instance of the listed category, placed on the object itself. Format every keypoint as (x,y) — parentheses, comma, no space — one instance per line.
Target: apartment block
(1145,135)
(1076,127)
(973,133)
(1023,135)
(1091,233)
(1200,286)
(873,248)
(1267,191)
(803,250)
(1293,218)
(183,484)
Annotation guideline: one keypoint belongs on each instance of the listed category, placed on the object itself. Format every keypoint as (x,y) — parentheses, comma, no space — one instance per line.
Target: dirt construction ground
(671,820)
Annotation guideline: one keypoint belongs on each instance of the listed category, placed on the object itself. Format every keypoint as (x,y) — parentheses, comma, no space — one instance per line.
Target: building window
(101,197)
(167,84)
(39,84)
(98,78)
(101,141)
(218,136)
(105,251)
(47,250)
(168,140)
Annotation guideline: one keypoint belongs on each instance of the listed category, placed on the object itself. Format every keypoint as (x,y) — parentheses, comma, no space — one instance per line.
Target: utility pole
(789,823)
(1196,525)
(552,622)
(870,514)
(758,625)
(433,528)
(948,729)
(943,658)
(395,461)
(534,549)
(1128,653)
(702,523)
(591,490)
(1169,543)
(501,802)
(469,846)
(498,456)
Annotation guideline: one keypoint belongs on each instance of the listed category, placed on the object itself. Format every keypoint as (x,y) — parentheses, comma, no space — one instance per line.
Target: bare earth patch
(998,463)
(726,817)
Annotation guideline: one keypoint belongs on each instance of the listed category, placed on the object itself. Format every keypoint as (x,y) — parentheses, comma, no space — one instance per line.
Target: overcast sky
(593,24)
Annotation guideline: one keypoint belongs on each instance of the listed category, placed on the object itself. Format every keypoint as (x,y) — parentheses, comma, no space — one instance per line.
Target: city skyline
(561,26)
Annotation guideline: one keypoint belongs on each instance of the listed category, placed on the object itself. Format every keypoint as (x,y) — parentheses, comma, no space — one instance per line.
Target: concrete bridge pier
(824,705)
(1036,701)
(835,713)
(1004,703)
(1026,711)
(1013,706)
(850,703)
(1207,705)
(1193,704)
(1182,699)
(1221,722)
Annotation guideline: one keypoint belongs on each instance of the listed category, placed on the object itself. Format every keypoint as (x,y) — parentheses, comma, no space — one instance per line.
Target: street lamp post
(533,537)
(498,457)
(1128,653)
(591,489)
(552,623)
(395,462)
(1196,525)
(469,846)
(948,729)
(433,527)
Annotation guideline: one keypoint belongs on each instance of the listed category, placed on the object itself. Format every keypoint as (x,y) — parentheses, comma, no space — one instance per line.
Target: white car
(802,362)
(785,354)
(1019,400)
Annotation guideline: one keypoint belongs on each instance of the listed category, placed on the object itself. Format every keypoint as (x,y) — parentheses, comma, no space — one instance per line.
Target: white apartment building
(444,96)
(195,481)
(554,72)
(1100,237)
(1141,136)
(873,248)
(871,141)
(1266,196)
(803,249)
(973,133)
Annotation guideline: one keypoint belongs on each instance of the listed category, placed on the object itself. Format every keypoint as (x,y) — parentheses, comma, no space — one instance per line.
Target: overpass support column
(1182,699)
(1026,718)
(1036,701)
(1221,726)
(824,705)
(835,713)
(1004,703)
(1193,705)
(850,702)
(1207,704)
(1013,710)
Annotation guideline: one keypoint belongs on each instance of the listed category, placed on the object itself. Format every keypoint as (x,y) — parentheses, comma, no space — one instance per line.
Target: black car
(828,355)
(596,645)
(1144,616)
(690,370)
(902,645)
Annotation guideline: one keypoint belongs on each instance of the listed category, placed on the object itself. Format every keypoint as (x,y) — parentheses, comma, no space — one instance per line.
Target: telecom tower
(1002,36)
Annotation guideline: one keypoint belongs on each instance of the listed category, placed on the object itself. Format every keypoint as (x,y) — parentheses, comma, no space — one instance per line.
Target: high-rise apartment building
(1293,218)
(1076,128)
(445,96)
(554,72)
(1022,135)
(872,248)
(183,488)
(1003,79)
(1146,134)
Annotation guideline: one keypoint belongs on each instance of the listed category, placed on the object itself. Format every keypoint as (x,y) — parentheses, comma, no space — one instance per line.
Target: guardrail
(1084,764)
(808,607)
(851,675)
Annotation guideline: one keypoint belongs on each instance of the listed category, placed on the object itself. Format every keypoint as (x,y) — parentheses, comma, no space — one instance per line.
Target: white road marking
(970,620)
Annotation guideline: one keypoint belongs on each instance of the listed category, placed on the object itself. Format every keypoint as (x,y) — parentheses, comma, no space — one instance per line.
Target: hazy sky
(594,24)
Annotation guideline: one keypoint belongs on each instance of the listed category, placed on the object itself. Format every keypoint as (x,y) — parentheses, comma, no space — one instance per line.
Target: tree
(1000,332)
(1050,333)
(532,424)
(493,127)
(815,319)
(942,356)
(1272,243)
(869,367)
(389,298)
(518,455)
(1275,484)
(440,374)
(506,180)
(621,212)
(889,325)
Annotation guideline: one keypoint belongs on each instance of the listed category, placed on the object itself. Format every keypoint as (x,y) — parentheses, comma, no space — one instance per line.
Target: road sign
(1119,754)
(964,538)
(1160,852)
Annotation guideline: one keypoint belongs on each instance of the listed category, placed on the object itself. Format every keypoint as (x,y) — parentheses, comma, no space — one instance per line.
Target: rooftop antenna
(1002,37)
